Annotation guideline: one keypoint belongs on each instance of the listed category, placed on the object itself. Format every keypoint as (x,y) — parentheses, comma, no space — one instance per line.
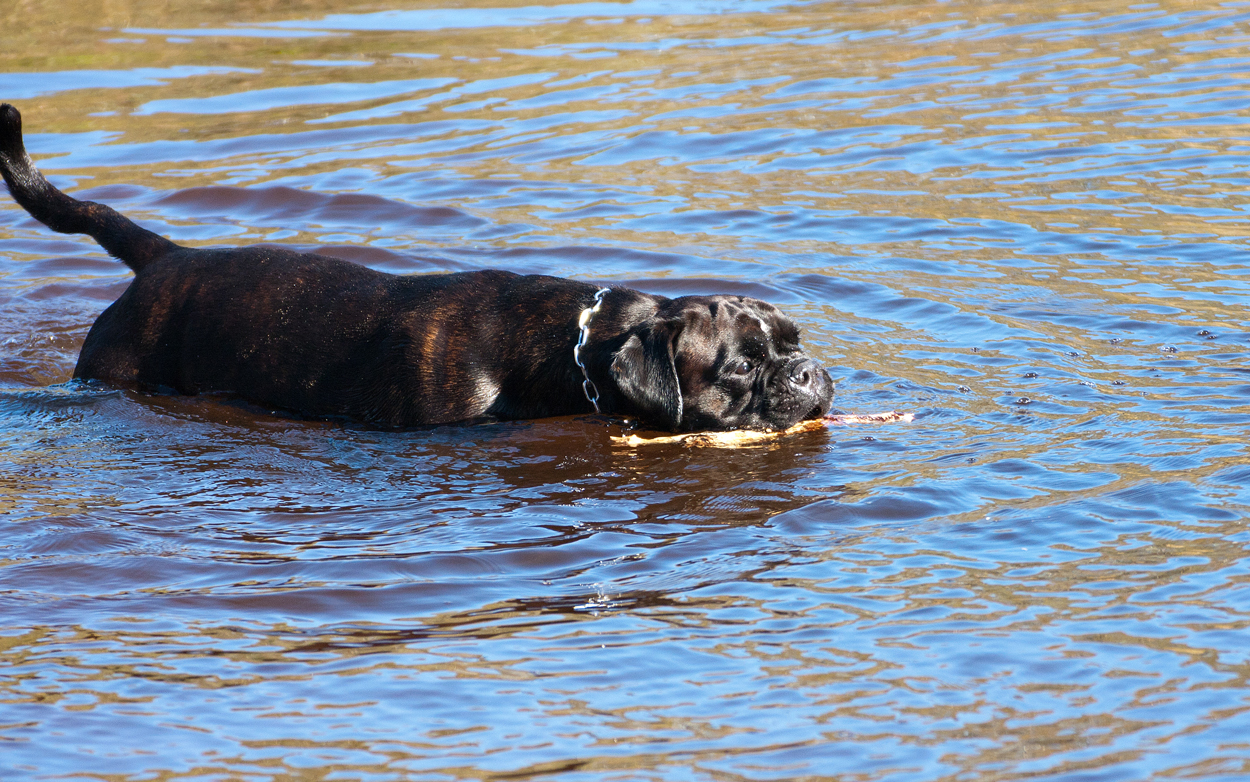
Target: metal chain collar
(583,323)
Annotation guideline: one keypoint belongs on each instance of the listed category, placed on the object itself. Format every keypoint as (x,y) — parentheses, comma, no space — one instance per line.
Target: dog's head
(718,363)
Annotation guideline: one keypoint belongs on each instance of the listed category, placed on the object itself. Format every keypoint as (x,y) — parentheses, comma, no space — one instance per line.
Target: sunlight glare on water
(1025,223)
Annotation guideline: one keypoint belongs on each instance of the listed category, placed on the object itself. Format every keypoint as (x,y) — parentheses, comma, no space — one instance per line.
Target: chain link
(583,323)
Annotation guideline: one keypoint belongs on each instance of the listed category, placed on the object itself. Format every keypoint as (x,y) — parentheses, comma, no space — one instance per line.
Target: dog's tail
(134,246)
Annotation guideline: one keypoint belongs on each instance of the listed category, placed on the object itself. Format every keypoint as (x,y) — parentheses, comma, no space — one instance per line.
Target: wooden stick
(743,437)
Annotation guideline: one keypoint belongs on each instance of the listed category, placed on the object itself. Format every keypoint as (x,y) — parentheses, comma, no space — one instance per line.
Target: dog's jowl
(327,338)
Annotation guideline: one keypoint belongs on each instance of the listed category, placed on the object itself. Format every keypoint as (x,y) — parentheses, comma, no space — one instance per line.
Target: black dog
(328,338)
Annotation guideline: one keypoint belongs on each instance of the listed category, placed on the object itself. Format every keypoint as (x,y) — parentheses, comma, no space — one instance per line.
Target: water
(1028,227)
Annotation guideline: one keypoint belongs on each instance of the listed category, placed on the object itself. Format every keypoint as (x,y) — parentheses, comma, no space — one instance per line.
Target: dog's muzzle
(811,386)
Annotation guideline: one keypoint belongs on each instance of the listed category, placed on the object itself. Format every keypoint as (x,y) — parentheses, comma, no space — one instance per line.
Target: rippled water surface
(1026,223)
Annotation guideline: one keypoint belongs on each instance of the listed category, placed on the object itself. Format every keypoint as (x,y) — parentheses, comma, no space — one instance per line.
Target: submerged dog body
(328,338)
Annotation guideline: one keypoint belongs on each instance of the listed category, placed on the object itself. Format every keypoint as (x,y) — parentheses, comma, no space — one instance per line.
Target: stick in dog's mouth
(742,437)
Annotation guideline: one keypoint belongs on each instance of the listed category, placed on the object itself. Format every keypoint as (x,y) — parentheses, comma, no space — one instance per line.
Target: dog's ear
(645,372)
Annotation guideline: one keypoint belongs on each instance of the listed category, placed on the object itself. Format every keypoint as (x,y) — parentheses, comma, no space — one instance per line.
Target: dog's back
(306,333)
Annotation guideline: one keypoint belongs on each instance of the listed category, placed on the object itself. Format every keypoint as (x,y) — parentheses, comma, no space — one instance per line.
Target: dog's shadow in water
(572,460)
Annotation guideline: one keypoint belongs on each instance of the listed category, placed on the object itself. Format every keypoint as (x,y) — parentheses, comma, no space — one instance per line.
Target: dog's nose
(803,373)
(810,387)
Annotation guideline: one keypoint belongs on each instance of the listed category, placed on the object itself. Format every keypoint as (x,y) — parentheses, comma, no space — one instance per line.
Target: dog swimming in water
(327,338)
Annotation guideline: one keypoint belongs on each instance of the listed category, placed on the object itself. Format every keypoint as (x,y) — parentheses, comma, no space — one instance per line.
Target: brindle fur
(325,337)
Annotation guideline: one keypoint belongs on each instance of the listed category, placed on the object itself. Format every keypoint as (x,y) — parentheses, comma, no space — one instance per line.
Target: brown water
(1026,223)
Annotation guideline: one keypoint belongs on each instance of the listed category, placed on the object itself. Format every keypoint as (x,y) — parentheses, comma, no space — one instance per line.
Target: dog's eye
(744,368)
